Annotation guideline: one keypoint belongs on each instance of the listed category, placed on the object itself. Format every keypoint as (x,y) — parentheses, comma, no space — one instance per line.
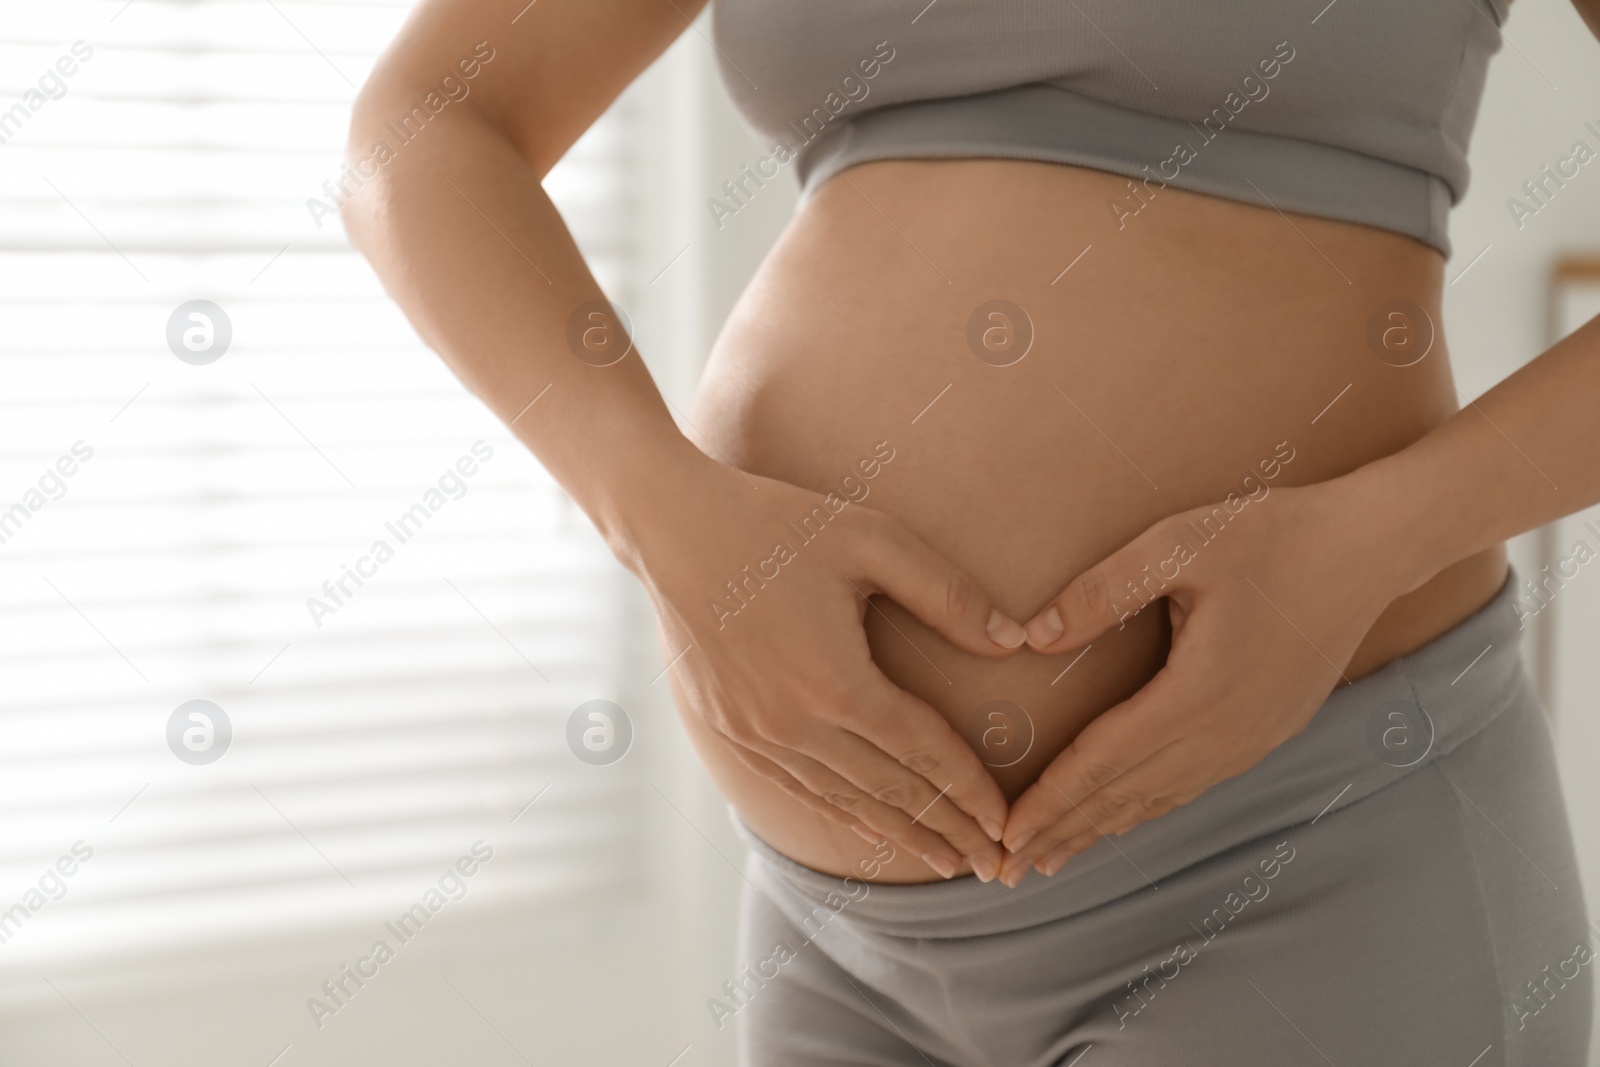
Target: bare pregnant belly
(1045,385)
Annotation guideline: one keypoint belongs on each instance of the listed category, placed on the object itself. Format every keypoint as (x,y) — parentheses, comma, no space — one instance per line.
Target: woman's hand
(762,588)
(1268,603)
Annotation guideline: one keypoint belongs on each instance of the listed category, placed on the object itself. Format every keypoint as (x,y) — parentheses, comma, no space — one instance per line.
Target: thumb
(940,594)
(1107,594)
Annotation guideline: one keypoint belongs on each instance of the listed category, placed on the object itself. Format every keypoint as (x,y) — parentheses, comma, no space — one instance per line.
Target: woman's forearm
(1300,585)
(1525,453)
(467,242)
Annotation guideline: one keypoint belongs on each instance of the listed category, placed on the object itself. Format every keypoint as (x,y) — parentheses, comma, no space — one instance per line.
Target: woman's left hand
(1265,616)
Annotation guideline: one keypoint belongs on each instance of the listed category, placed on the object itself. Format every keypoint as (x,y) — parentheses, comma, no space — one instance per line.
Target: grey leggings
(1396,885)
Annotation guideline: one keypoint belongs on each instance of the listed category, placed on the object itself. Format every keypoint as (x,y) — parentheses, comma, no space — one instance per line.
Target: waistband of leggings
(1367,735)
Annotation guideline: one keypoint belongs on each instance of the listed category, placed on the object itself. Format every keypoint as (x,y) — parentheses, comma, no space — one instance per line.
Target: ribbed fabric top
(1358,110)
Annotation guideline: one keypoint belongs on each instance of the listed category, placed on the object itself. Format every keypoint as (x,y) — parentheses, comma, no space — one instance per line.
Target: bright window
(165,521)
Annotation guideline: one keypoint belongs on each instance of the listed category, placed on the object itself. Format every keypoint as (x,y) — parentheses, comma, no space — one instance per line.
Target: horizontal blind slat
(370,747)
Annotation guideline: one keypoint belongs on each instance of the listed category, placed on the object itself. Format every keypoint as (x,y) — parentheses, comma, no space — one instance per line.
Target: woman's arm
(1265,622)
(465,239)
(1331,556)
(463,236)
(1524,454)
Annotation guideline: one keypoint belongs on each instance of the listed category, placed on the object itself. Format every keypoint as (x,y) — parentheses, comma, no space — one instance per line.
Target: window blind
(167,524)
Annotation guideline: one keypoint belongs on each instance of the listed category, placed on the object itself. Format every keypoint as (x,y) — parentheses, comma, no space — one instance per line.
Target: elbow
(357,193)
(390,115)
(381,116)
(363,136)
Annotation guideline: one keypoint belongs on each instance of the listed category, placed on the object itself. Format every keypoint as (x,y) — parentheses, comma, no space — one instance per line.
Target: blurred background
(224,775)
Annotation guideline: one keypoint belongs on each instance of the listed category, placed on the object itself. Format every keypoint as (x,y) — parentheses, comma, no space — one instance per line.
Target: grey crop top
(1358,110)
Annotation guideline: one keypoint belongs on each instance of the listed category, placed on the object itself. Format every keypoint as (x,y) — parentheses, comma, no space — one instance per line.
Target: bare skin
(1206,341)
(1167,364)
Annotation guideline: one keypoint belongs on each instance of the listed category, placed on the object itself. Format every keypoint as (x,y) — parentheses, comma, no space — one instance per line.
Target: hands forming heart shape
(1264,619)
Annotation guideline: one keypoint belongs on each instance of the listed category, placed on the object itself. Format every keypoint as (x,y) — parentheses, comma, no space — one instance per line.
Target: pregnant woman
(1082,575)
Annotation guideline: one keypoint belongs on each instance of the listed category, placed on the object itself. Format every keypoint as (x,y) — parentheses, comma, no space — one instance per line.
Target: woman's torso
(1176,342)
(1176,355)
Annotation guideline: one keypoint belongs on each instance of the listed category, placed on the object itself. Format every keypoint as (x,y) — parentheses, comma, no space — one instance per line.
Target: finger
(877,816)
(793,787)
(1103,810)
(830,756)
(1049,865)
(920,739)
(1109,593)
(900,565)
(1053,862)
(1114,743)
(891,784)
(1144,792)
(891,800)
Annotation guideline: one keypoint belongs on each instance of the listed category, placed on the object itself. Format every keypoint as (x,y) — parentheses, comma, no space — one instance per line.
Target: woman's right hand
(454,226)
(783,671)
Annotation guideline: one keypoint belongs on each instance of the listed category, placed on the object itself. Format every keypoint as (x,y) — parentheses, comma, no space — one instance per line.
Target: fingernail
(1015,877)
(1045,628)
(945,868)
(983,867)
(1055,862)
(990,827)
(1004,631)
(868,836)
(1022,842)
